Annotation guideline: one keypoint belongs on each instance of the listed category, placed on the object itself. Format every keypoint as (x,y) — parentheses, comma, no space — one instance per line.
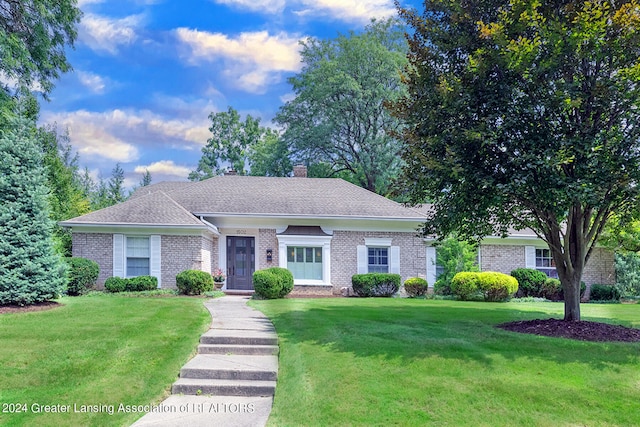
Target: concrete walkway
(232,379)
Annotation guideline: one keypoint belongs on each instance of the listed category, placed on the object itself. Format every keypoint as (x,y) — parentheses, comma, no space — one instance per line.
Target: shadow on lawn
(455,330)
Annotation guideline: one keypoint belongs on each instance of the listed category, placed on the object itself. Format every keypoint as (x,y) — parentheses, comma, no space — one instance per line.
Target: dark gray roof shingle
(151,209)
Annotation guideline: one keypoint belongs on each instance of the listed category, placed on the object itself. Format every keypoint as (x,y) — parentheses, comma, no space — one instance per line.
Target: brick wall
(501,258)
(505,258)
(600,269)
(97,247)
(344,257)
(183,253)
(267,240)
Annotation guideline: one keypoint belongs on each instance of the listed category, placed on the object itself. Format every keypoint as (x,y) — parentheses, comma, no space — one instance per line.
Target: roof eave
(298,216)
(130,225)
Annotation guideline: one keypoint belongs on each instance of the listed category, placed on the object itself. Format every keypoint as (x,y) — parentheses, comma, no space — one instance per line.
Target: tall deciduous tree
(229,144)
(33,36)
(66,197)
(338,115)
(30,270)
(270,156)
(521,114)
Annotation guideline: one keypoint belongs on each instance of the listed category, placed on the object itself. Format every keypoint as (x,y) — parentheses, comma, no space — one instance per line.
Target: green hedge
(492,285)
(83,275)
(375,284)
(530,282)
(133,284)
(552,290)
(194,282)
(464,285)
(272,283)
(415,286)
(497,287)
(604,293)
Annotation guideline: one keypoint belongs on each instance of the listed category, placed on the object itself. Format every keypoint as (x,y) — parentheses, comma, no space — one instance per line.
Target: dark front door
(241,262)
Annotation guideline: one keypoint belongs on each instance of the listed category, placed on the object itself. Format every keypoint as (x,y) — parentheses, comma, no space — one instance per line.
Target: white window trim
(307,241)
(120,255)
(363,255)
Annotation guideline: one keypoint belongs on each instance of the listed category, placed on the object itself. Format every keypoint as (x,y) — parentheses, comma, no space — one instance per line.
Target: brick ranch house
(323,230)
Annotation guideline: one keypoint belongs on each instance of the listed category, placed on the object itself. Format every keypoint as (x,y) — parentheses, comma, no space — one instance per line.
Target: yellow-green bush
(496,286)
(492,285)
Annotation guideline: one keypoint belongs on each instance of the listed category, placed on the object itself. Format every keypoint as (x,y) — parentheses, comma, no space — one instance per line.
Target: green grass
(424,362)
(95,350)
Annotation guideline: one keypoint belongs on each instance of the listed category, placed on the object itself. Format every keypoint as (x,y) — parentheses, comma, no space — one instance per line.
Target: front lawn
(424,362)
(93,354)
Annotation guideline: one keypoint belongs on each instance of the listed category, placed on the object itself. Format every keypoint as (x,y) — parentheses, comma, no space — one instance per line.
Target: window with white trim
(378,260)
(305,262)
(545,262)
(138,255)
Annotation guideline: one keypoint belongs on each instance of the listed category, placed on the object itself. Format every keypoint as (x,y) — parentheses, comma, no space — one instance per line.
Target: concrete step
(231,367)
(266,350)
(231,336)
(218,387)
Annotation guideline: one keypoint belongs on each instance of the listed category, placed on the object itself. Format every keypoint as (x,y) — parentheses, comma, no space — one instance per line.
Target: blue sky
(147,73)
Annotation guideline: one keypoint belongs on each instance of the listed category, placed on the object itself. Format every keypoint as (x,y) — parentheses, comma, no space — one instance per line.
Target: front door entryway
(241,262)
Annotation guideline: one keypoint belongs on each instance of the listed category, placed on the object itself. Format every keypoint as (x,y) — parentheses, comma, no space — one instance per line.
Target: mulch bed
(47,305)
(582,330)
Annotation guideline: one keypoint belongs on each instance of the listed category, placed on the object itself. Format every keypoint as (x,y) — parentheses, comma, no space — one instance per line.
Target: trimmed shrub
(141,283)
(194,282)
(530,282)
(464,285)
(115,284)
(442,287)
(286,280)
(375,284)
(552,290)
(604,293)
(266,284)
(272,283)
(415,286)
(82,274)
(496,287)
(133,284)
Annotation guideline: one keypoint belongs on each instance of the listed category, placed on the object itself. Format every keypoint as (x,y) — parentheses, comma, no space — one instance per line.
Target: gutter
(210,226)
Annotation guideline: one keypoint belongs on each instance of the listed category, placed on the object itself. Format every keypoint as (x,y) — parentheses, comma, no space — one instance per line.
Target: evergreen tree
(146,178)
(30,271)
(115,186)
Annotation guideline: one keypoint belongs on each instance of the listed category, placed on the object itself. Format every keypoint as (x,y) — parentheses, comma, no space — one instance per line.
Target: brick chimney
(300,171)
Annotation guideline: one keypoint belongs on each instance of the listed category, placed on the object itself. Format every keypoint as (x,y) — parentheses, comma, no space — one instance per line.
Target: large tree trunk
(571,289)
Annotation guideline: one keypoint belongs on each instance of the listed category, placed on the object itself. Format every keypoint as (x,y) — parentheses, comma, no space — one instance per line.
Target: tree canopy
(338,116)
(523,114)
(33,36)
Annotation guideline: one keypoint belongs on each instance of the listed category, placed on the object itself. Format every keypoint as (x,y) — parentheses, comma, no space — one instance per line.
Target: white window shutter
(118,255)
(155,258)
(363,264)
(431,265)
(530,256)
(394,261)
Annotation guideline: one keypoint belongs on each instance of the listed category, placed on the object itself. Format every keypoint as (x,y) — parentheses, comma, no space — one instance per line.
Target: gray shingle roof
(176,203)
(313,197)
(166,186)
(151,209)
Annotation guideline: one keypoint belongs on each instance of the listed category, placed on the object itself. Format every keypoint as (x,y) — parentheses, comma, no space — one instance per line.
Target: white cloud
(253,59)
(106,34)
(164,167)
(349,10)
(120,135)
(91,138)
(263,6)
(287,97)
(94,82)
